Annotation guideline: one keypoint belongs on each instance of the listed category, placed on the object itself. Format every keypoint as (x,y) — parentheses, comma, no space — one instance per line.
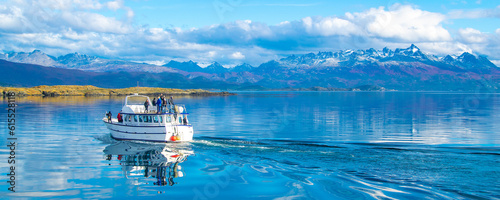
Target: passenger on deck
(172,100)
(158,105)
(154,101)
(119,117)
(170,104)
(146,104)
(109,115)
(163,102)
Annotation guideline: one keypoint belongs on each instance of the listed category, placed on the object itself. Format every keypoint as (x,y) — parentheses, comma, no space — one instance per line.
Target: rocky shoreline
(89,90)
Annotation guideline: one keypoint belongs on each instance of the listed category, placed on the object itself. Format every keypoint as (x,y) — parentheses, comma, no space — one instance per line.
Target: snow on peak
(349,56)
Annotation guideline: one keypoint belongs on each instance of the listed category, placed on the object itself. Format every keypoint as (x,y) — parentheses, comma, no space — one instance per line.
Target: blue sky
(252,31)
(191,13)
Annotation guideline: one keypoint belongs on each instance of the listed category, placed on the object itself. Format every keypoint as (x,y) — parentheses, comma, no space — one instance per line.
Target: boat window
(140,118)
(180,119)
(161,119)
(169,119)
(155,119)
(135,118)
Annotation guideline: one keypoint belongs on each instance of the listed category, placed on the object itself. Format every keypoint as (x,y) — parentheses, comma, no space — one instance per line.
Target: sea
(261,145)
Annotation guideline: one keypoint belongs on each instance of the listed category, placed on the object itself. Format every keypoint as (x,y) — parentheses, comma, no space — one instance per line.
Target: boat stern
(184,132)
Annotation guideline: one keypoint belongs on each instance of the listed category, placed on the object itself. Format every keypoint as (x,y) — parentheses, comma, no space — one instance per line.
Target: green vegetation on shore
(89,90)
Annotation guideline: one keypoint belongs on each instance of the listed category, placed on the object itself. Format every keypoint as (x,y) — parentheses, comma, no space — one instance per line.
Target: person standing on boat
(146,105)
(163,102)
(119,117)
(158,105)
(172,100)
(109,116)
(154,101)
(170,103)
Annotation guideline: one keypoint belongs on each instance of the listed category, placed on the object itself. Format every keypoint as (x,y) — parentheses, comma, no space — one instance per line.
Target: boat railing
(179,109)
(174,109)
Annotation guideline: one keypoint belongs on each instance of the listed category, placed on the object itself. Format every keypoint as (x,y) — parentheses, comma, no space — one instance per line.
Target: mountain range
(400,69)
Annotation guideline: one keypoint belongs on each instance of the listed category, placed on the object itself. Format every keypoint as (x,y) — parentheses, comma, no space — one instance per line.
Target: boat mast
(137,87)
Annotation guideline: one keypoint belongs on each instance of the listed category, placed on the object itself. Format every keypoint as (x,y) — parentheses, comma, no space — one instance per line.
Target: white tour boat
(137,123)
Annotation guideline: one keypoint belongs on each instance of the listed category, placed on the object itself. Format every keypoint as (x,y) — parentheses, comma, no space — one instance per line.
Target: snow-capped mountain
(343,58)
(401,69)
(82,62)
(36,57)
(349,58)
(216,68)
(189,66)
(242,68)
(74,60)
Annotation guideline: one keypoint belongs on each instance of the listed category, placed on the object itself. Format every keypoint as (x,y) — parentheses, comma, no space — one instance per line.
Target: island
(89,90)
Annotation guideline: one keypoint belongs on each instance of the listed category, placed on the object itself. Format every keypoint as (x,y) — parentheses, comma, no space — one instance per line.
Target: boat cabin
(134,113)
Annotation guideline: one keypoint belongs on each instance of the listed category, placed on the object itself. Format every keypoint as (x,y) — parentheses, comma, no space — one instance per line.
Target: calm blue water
(297,145)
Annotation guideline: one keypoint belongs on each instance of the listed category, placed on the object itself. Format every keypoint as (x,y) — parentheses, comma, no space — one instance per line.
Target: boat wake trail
(105,138)
(361,170)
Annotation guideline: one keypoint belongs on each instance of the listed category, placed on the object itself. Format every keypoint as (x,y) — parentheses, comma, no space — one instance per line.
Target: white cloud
(329,26)
(204,64)
(57,16)
(211,54)
(375,27)
(237,55)
(402,22)
(153,62)
(471,35)
(115,5)
(11,18)
(444,48)
(85,26)
(156,34)
(496,62)
(94,22)
(88,4)
(475,13)
(130,13)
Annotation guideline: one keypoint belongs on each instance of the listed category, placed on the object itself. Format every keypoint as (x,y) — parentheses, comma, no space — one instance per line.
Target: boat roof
(134,103)
(127,102)
(132,106)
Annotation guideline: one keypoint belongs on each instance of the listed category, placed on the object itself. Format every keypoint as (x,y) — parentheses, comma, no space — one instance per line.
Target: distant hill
(28,75)
(89,90)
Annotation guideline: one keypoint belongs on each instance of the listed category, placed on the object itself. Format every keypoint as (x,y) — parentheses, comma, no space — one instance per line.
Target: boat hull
(150,133)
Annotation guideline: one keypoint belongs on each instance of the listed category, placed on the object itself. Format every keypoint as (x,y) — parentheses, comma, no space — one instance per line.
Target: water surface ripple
(298,145)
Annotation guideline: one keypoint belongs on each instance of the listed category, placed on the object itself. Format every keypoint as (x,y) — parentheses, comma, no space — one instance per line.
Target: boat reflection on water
(159,161)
